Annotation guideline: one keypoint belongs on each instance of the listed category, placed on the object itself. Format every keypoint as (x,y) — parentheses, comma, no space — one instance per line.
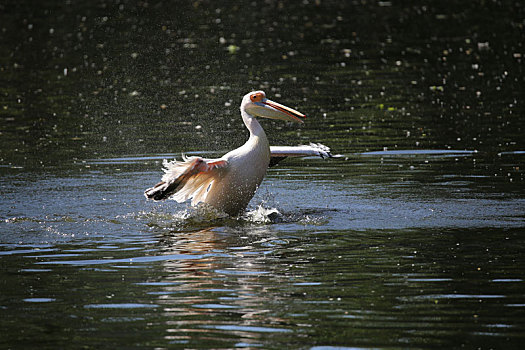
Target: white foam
(263,215)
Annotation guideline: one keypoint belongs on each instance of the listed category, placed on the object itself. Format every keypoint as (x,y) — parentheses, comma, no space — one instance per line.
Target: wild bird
(228,183)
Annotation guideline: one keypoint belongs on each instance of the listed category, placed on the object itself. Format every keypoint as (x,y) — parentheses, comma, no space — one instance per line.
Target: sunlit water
(413,237)
(319,259)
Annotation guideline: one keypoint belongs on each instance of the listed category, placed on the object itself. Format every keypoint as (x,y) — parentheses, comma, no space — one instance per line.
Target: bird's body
(229,183)
(246,170)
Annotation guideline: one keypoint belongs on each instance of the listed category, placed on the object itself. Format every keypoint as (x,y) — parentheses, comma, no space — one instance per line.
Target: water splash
(204,216)
(262,215)
(190,218)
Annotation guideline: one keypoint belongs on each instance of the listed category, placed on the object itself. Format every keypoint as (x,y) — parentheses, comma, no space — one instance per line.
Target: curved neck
(257,145)
(252,124)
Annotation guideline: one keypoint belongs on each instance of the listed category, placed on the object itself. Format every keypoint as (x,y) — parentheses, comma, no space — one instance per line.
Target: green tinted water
(412,239)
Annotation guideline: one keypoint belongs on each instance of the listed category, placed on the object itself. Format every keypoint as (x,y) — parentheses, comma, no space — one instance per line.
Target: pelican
(228,183)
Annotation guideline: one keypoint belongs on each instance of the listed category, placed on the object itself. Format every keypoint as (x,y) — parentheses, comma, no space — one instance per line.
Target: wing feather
(190,178)
(279,153)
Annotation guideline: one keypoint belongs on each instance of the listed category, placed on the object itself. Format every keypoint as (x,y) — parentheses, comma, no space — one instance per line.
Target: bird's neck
(253,125)
(257,146)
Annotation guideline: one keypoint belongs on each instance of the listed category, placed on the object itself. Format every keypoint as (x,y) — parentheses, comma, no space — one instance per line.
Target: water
(413,238)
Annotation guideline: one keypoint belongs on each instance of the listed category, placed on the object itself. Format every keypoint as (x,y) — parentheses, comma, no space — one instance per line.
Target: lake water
(413,238)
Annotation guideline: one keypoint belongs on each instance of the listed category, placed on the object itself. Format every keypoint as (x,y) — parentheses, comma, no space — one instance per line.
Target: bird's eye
(256,97)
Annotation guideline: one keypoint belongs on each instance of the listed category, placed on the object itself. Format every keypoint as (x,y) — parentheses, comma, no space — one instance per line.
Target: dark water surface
(413,239)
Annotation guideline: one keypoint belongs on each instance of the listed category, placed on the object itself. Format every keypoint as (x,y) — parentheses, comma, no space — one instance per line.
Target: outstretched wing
(279,153)
(191,178)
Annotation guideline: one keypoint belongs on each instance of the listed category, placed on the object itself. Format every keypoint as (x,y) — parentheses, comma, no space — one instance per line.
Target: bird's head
(256,104)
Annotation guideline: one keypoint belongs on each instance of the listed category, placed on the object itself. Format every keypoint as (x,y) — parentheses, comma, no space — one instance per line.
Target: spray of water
(204,216)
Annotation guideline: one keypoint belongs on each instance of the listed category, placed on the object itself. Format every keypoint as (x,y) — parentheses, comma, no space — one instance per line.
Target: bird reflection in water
(223,292)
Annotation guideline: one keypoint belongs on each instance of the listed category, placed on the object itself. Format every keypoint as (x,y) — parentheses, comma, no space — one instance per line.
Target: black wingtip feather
(158,192)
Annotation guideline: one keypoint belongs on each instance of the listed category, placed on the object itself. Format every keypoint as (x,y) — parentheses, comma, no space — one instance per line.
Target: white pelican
(229,183)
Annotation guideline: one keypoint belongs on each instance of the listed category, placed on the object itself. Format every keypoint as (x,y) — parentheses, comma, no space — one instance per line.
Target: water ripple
(121,306)
(248,329)
(140,259)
